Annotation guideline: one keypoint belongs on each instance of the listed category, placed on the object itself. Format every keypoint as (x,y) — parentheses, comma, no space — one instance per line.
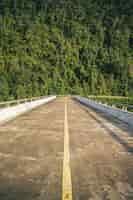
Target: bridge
(66,150)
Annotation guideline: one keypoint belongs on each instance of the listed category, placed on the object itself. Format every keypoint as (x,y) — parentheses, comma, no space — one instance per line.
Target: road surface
(65,141)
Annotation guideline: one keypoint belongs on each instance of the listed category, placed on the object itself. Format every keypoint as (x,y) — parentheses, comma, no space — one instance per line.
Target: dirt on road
(31,154)
(101,163)
(32,151)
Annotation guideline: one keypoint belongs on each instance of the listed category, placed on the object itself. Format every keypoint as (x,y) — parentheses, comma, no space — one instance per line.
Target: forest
(79,47)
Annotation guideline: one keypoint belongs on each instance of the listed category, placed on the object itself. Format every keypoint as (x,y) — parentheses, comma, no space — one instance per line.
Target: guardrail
(19,101)
(23,106)
(115,112)
(123,103)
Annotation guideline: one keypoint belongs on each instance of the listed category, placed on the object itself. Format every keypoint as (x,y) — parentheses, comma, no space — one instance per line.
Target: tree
(65,47)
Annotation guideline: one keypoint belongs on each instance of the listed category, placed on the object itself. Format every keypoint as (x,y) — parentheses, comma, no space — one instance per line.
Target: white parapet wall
(120,114)
(9,113)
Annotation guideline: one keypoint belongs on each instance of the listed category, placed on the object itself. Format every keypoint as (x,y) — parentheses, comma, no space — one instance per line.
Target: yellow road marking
(67,184)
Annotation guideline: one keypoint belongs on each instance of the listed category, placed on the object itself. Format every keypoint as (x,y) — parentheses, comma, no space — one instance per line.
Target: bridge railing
(20,101)
(115,112)
(120,102)
(21,106)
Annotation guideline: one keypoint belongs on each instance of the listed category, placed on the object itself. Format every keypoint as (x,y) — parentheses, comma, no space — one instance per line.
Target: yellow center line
(67,184)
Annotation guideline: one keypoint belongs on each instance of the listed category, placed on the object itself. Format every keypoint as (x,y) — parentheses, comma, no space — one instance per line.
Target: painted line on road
(67,183)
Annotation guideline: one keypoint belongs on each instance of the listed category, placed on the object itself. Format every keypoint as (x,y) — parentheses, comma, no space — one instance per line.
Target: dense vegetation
(66,46)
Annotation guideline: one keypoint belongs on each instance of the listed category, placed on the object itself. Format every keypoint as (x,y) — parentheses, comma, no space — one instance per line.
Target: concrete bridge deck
(32,154)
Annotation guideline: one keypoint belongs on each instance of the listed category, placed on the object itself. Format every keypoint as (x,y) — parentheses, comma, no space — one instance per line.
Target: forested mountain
(66,46)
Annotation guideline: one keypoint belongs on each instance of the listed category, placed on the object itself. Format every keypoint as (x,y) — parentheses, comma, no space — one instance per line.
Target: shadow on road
(14,190)
(117,123)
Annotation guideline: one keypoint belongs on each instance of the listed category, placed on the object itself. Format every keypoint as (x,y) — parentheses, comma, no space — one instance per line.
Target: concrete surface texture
(32,153)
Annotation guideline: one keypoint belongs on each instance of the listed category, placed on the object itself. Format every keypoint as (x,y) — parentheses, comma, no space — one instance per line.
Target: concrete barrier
(120,114)
(9,113)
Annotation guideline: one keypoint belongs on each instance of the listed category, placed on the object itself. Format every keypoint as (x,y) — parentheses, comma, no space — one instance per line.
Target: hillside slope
(58,46)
